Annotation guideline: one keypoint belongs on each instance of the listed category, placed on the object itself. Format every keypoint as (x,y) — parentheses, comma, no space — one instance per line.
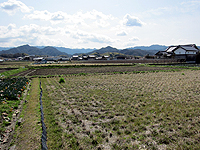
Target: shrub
(62,80)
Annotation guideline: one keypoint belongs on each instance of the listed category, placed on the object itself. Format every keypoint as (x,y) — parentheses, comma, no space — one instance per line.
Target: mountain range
(31,50)
(57,51)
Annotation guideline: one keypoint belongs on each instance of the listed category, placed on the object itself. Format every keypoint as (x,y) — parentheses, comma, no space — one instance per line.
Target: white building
(181,52)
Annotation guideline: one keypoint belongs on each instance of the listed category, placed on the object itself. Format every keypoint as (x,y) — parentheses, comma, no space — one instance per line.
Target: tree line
(13,55)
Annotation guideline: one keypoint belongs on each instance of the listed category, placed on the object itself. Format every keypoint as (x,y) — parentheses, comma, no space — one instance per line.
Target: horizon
(87,48)
(95,24)
(99,48)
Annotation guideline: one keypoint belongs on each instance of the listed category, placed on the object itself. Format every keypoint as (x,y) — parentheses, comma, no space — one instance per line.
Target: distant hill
(74,50)
(152,47)
(138,52)
(23,49)
(51,51)
(115,52)
(104,50)
(56,51)
(5,48)
(31,50)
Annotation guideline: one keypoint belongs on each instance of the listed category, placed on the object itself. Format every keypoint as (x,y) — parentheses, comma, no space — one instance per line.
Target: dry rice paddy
(123,111)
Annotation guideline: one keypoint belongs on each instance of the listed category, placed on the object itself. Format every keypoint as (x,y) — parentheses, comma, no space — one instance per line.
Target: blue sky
(99,23)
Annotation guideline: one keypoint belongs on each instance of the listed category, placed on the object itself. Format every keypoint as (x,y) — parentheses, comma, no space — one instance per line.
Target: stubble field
(94,69)
(123,111)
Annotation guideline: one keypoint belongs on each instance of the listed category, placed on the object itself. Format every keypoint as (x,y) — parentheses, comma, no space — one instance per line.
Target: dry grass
(15,64)
(124,111)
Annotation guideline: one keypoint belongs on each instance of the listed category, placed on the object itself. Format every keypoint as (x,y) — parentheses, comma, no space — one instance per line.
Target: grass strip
(54,131)
(12,72)
(28,134)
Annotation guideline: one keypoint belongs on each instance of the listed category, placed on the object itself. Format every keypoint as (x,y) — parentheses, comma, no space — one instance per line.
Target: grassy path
(54,131)
(28,135)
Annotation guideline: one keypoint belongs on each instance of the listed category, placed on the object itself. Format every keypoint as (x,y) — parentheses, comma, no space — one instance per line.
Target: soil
(106,69)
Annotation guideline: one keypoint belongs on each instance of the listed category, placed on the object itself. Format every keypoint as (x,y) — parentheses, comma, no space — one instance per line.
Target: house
(180,52)
(105,57)
(26,58)
(161,54)
(19,58)
(91,57)
(102,58)
(75,57)
(38,59)
(84,57)
(64,59)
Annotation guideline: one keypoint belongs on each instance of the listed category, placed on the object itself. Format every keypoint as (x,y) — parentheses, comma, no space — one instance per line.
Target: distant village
(183,53)
(53,59)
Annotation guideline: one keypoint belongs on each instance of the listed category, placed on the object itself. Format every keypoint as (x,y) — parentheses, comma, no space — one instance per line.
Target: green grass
(12,72)
(54,131)
(28,134)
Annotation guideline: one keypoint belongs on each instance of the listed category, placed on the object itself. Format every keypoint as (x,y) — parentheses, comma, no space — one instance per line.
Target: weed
(62,80)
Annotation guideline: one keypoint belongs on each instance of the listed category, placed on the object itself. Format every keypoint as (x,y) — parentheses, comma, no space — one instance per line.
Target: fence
(44,132)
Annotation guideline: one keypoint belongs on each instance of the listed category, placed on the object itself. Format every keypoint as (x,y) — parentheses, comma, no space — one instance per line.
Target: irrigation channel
(44,132)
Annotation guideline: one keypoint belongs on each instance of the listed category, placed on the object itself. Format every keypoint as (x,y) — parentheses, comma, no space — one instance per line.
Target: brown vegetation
(123,111)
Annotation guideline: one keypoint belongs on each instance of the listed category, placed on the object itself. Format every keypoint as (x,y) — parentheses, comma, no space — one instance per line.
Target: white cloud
(129,20)
(90,37)
(161,11)
(11,6)
(88,19)
(121,33)
(39,15)
(58,16)
(31,34)
(94,15)
(46,35)
(183,7)
(11,26)
(131,42)
(191,3)
(134,39)
(190,6)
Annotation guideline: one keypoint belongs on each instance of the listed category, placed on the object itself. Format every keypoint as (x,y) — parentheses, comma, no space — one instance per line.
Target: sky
(99,23)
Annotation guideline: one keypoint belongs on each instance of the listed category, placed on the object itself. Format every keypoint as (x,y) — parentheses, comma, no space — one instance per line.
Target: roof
(91,56)
(190,47)
(171,48)
(39,58)
(75,56)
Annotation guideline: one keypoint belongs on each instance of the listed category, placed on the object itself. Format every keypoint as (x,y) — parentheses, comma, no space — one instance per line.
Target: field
(123,111)
(13,67)
(53,71)
(14,64)
(113,106)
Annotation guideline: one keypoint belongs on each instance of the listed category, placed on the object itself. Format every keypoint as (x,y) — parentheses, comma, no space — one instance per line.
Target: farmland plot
(123,111)
(93,69)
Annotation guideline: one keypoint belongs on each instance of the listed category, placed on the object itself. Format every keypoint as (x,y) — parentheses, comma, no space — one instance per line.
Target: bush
(62,80)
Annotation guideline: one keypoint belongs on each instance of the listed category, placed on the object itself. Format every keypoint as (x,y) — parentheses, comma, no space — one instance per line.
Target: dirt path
(28,134)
